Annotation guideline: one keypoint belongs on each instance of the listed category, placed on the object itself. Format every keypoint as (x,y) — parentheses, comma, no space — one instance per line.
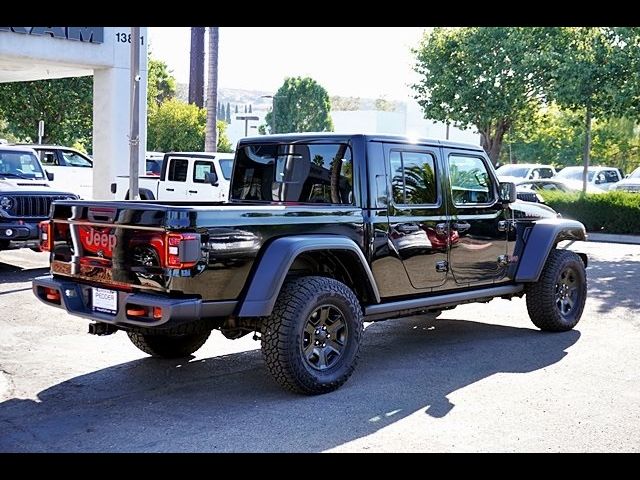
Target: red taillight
(52,295)
(157,313)
(181,251)
(46,236)
(136,310)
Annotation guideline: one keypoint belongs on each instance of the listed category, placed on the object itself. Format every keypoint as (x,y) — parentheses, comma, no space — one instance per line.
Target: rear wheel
(169,346)
(311,341)
(555,303)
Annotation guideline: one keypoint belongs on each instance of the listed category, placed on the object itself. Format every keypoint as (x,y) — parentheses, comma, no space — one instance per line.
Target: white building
(36,53)
(408,122)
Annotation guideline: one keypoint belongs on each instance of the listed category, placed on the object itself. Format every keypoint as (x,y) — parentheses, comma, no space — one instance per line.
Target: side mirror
(211,178)
(507,192)
(49,176)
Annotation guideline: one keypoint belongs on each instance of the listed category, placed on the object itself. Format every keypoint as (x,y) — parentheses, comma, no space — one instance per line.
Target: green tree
(224,144)
(161,85)
(385,105)
(489,77)
(300,105)
(180,127)
(65,105)
(345,103)
(587,78)
(227,118)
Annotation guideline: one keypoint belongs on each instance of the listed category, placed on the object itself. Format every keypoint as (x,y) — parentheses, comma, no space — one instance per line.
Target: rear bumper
(76,299)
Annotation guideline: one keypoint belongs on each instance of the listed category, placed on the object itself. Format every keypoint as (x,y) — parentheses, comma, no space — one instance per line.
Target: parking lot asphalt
(480,378)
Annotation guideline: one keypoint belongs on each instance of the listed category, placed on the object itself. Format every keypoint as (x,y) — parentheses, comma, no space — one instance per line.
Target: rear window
(305,173)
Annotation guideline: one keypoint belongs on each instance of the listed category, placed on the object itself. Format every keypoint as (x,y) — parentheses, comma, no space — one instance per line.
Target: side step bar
(441,301)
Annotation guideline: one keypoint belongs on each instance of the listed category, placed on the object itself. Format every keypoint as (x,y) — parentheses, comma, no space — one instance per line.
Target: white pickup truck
(184,176)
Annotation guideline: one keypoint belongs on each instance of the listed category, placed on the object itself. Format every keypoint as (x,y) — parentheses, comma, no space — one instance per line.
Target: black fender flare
(276,261)
(543,237)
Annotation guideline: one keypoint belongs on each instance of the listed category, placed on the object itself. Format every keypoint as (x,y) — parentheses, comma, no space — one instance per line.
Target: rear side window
(610,176)
(413,178)
(74,160)
(305,173)
(48,157)
(226,166)
(546,173)
(470,180)
(178,170)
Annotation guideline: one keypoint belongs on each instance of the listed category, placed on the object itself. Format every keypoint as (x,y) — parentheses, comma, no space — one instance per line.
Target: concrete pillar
(111,120)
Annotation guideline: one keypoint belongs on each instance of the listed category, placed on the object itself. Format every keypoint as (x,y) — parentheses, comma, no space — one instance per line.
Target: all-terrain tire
(556,301)
(169,346)
(311,341)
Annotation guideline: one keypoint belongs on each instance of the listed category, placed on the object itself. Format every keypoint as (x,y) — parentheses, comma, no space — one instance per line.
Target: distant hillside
(238,97)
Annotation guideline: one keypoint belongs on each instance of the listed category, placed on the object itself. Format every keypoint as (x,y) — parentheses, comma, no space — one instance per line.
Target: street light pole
(134,133)
(246,119)
(273,111)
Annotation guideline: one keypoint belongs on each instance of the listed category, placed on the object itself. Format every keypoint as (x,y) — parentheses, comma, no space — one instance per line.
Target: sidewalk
(613,238)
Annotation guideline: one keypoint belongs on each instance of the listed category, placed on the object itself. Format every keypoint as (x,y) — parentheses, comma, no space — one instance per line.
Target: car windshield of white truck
(298,173)
(19,165)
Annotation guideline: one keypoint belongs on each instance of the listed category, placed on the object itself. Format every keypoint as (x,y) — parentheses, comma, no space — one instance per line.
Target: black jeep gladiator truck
(322,233)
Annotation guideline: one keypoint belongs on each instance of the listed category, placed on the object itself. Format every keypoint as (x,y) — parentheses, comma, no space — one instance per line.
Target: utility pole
(196,67)
(134,134)
(246,119)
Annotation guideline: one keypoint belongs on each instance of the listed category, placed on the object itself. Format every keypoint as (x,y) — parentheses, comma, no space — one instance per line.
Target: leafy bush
(611,212)
(176,126)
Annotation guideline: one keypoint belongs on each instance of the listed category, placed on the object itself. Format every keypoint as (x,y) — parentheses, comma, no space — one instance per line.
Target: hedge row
(611,212)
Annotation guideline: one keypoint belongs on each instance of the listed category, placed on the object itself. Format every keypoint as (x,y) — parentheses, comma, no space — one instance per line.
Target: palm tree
(210,139)
(196,67)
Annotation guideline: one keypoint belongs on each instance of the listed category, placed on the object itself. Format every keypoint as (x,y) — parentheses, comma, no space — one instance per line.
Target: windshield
(635,174)
(20,165)
(574,173)
(226,166)
(513,171)
(300,173)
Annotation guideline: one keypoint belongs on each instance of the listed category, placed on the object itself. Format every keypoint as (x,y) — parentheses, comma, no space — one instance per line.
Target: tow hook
(101,329)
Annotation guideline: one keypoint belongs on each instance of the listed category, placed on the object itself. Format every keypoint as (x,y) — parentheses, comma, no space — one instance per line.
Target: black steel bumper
(20,234)
(76,299)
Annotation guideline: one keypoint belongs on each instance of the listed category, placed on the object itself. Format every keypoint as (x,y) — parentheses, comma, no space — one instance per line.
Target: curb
(613,238)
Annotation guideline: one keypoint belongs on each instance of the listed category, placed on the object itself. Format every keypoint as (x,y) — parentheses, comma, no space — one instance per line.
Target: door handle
(407,228)
(193,191)
(170,189)
(461,226)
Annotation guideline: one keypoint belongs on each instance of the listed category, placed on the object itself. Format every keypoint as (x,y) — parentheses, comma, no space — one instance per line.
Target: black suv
(323,232)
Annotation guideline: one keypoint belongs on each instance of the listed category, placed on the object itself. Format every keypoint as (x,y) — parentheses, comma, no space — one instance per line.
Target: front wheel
(556,301)
(311,341)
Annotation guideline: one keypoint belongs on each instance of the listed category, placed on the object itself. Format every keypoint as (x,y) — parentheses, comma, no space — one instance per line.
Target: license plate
(105,301)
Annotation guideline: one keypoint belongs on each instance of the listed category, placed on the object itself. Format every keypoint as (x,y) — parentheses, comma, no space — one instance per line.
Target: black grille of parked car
(527,196)
(25,206)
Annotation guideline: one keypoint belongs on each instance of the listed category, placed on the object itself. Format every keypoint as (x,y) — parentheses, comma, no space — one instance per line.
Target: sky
(369,62)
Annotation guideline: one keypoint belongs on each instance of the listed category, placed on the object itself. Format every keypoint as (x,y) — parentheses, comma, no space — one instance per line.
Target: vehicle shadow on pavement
(13,274)
(229,403)
(614,284)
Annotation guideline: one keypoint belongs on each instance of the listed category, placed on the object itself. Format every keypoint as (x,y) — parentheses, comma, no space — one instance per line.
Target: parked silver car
(630,184)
